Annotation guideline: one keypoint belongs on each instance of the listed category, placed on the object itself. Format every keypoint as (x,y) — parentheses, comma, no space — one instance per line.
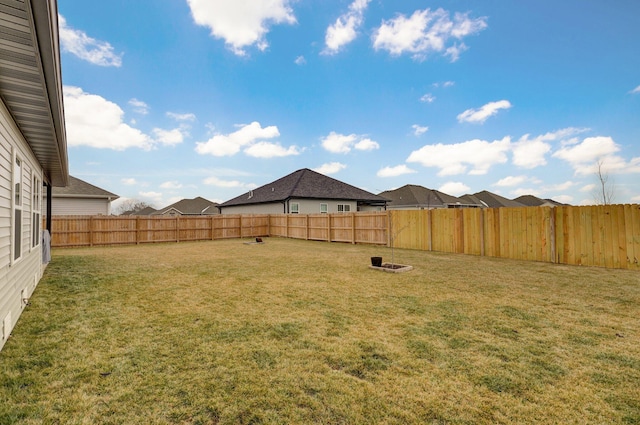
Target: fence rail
(603,236)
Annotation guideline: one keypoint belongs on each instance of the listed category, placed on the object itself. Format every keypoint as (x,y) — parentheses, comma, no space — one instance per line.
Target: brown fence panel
(370,228)
(342,227)
(318,226)
(603,236)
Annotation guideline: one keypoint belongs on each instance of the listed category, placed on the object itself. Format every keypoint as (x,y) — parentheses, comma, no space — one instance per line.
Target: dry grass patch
(304,332)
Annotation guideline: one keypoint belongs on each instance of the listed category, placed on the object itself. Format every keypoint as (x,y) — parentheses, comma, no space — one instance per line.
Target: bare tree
(605,192)
(130,206)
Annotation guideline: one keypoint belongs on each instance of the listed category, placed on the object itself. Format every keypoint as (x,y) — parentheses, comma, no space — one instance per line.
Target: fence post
(388,228)
(138,230)
(430,228)
(177,228)
(328,227)
(482,252)
(306,233)
(91,231)
(552,237)
(353,228)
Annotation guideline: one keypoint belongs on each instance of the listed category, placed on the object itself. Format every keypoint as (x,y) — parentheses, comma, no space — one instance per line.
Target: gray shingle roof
(195,206)
(493,200)
(534,201)
(411,195)
(81,189)
(304,183)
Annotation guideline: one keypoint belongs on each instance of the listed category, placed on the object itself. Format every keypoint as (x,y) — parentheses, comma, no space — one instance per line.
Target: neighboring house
(33,147)
(490,200)
(144,211)
(534,201)
(304,192)
(414,197)
(195,206)
(81,198)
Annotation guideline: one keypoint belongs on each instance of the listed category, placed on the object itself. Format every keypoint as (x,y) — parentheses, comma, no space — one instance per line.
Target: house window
(344,207)
(17,209)
(295,208)
(324,208)
(36,208)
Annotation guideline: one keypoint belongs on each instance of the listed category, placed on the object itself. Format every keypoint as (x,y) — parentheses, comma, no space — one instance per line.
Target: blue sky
(168,100)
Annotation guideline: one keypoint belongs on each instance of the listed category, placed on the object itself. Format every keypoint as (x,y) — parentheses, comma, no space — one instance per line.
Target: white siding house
(304,192)
(33,150)
(81,198)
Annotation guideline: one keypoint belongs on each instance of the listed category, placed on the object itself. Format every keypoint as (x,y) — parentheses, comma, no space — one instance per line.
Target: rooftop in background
(81,189)
(195,206)
(420,197)
(301,184)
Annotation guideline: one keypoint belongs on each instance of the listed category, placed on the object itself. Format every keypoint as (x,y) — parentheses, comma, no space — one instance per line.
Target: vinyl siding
(21,275)
(79,206)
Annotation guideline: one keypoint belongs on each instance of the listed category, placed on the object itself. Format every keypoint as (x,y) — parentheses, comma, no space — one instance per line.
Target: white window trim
(297,208)
(326,208)
(36,210)
(17,204)
(344,208)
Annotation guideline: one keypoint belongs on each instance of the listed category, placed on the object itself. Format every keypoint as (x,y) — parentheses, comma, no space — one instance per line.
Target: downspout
(49,203)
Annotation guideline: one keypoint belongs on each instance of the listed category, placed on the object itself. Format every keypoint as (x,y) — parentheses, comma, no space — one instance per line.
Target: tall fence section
(603,236)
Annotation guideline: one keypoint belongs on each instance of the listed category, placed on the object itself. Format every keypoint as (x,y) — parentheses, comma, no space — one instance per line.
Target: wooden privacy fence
(603,236)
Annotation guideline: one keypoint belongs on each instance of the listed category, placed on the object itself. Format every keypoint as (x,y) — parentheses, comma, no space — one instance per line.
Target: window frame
(326,208)
(36,210)
(17,207)
(344,208)
(296,209)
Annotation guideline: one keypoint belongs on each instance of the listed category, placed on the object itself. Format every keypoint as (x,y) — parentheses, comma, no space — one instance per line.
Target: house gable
(303,184)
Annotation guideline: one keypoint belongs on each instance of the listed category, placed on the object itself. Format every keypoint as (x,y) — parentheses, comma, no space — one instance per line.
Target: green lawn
(292,332)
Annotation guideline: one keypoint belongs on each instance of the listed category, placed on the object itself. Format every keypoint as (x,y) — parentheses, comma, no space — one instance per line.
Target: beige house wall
(305,206)
(19,274)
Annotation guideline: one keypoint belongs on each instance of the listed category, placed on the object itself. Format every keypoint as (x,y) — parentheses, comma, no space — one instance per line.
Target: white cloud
(419,130)
(155,197)
(181,117)
(635,91)
(345,29)
(588,188)
(86,48)
(583,157)
(230,144)
(270,150)
(563,199)
(330,168)
(426,32)
(171,185)
(398,170)
(300,60)
(93,121)
(635,198)
(129,181)
(511,181)
(215,181)
(169,137)
(444,84)
(455,51)
(341,143)
(559,187)
(455,158)
(454,188)
(139,106)
(366,145)
(241,23)
(481,114)
(427,98)
(530,153)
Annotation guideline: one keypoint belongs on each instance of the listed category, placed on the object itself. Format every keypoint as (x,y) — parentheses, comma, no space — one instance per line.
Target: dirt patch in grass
(304,332)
